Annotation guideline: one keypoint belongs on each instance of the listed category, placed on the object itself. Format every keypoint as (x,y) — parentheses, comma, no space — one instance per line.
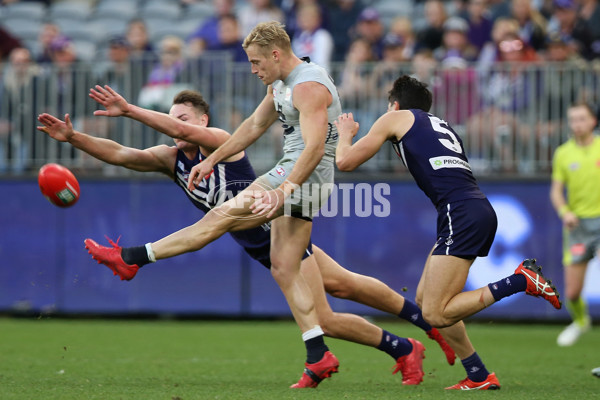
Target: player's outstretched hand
(199,172)
(55,128)
(346,126)
(115,105)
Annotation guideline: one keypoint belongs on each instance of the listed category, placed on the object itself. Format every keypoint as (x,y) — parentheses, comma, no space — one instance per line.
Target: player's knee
(337,287)
(279,270)
(327,324)
(435,318)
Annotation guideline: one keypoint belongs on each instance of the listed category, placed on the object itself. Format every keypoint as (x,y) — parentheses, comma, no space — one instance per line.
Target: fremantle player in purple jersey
(187,124)
(466,224)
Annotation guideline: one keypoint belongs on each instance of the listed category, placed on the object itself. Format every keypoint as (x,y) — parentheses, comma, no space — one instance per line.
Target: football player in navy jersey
(187,124)
(466,223)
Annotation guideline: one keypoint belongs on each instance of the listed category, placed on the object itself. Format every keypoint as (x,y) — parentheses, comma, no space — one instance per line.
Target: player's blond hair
(267,35)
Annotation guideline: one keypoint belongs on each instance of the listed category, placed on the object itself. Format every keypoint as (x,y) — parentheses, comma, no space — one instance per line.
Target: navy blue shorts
(465,229)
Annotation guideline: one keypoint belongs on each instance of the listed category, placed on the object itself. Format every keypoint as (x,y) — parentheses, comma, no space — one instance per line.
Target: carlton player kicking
(466,223)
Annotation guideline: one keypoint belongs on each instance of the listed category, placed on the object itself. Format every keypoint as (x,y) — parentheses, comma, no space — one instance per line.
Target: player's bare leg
(344,284)
(407,353)
(456,336)
(233,215)
(289,239)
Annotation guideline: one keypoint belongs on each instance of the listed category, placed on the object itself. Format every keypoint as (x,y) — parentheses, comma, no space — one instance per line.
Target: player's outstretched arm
(159,158)
(348,156)
(116,106)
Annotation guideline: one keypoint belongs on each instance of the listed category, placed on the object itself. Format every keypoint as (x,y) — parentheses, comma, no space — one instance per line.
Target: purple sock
(412,313)
(395,346)
(508,286)
(476,371)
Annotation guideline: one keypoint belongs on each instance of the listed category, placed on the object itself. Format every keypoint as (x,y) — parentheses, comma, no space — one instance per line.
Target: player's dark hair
(410,94)
(195,99)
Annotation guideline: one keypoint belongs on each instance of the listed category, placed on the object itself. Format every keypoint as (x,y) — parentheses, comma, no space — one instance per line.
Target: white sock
(150,252)
(312,333)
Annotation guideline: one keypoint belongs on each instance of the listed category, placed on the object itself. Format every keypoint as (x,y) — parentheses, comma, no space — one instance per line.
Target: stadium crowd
(365,45)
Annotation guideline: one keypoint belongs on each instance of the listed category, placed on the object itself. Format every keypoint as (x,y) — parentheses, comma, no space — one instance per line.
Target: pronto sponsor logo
(448,162)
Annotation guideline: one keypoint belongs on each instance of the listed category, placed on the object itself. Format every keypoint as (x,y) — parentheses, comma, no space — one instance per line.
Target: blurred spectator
(170,62)
(156,94)
(229,38)
(560,89)
(115,71)
(480,23)
(290,12)
(207,34)
(313,40)
(507,92)
(389,68)
(489,54)
(8,43)
(402,26)
(590,13)
(62,53)
(424,67)
(256,11)
(571,27)
(355,83)
(558,49)
(499,9)
(48,33)
(370,28)
(430,37)
(342,16)
(17,102)
(455,46)
(532,25)
(137,36)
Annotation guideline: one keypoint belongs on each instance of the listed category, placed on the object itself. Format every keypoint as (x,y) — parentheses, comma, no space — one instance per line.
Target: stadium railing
(511,117)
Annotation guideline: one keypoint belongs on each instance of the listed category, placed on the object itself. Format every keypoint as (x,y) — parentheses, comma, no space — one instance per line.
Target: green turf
(97,359)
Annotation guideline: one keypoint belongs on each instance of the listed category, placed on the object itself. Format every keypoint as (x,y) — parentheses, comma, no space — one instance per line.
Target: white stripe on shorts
(449,240)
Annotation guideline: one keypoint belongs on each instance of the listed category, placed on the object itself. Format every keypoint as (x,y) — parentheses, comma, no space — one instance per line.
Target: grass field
(154,359)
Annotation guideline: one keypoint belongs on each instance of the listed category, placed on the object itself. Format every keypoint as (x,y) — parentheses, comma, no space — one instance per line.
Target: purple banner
(44,266)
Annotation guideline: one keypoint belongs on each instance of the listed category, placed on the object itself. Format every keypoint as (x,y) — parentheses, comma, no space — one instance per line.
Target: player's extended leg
(233,215)
(344,284)
(407,353)
(289,239)
(444,304)
(478,376)
(574,280)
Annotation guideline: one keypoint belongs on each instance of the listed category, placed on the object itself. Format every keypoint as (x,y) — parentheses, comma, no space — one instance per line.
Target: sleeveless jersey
(225,182)
(435,157)
(290,116)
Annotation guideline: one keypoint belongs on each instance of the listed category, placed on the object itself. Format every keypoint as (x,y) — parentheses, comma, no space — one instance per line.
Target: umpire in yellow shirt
(576,168)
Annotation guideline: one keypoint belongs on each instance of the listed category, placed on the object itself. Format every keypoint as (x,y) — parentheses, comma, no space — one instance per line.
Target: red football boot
(411,365)
(434,334)
(491,383)
(111,257)
(314,373)
(537,285)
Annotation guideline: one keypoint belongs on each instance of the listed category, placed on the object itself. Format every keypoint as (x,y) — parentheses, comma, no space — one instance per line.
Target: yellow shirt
(578,168)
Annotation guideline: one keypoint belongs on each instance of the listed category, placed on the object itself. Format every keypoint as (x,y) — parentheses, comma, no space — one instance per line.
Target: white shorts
(306,201)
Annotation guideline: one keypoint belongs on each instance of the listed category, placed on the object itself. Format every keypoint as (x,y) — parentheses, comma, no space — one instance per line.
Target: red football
(58,185)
